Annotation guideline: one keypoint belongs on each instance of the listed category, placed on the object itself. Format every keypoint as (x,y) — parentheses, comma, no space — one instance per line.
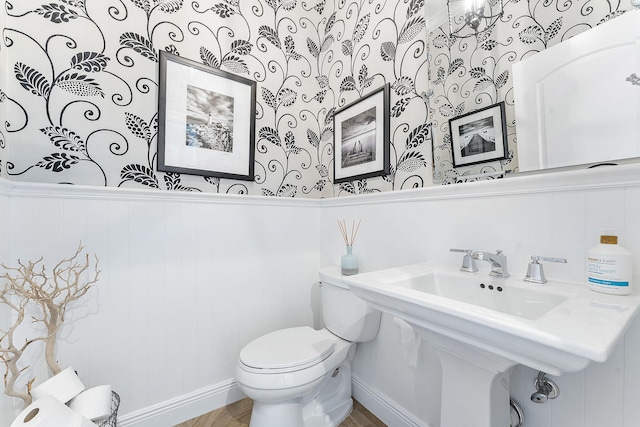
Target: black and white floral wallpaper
(471,73)
(79,84)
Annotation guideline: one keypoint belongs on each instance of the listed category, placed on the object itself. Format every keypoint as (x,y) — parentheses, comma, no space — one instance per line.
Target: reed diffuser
(348,261)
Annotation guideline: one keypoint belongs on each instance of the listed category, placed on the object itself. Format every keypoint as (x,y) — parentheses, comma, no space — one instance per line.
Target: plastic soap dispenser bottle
(609,266)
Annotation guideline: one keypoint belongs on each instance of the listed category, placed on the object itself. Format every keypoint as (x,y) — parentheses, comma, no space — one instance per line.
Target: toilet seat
(287,350)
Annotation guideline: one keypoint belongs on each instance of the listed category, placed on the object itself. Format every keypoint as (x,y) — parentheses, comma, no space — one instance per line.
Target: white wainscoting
(187,280)
(554,215)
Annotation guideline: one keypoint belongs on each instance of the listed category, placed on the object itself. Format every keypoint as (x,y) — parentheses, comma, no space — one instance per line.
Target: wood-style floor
(238,415)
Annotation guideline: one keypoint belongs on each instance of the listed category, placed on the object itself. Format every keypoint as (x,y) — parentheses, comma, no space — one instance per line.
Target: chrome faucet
(498,262)
(468,263)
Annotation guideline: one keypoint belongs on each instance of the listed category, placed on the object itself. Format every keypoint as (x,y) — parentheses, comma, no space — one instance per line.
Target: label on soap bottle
(609,273)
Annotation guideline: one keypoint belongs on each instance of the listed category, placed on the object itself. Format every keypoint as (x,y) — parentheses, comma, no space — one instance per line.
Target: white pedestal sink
(481,326)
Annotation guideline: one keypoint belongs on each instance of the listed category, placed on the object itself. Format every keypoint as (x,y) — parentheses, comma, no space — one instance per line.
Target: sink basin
(488,292)
(555,327)
(481,326)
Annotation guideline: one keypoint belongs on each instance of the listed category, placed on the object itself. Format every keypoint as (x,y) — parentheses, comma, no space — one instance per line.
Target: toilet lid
(295,348)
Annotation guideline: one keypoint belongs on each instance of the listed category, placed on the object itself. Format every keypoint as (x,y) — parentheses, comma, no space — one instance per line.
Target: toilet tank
(346,315)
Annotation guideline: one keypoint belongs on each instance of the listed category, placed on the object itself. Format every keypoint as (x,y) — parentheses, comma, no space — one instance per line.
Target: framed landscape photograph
(361,138)
(206,120)
(479,136)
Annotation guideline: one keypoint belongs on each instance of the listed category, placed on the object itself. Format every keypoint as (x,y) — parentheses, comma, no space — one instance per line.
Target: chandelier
(469,18)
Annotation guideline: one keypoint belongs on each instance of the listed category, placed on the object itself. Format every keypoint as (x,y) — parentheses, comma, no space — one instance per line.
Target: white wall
(5,314)
(553,215)
(187,280)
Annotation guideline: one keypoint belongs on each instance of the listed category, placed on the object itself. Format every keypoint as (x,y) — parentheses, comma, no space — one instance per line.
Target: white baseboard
(382,407)
(183,408)
(188,406)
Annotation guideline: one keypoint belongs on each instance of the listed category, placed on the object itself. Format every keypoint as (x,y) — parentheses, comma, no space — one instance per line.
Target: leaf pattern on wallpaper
(286,97)
(56,13)
(388,51)
(347,47)
(531,34)
(411,29)
(403,85)
(502,79)
(139,44)
(235,64)
(269,98)
(140,174)
(418,136)
(58,162)
(361,28)
(319,7)
(320,95)
(32,80)
(138,126)
(269,34)
(477,72)
(483,83)
(348,83)
(270,135)
(173,182)
(330,23)
(80,85)
(326,43)
(313,138)
(65,139)
(90,62)
(290,48)
(209,58)
(323,170)
(290,144)
(553,29)
(287,190)
(455,64)
(288,5)
(312,47)
(76,3)
(363,78)
(169,6)
(223,10)
(399,107)
(143,4)
(411,161)
(241,47)
(488,45)
(415,6)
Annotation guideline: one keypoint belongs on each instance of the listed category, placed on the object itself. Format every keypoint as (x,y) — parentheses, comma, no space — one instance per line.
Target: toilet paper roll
(64,386)
(94,403)
(410,341)
(80,421)
(46,412)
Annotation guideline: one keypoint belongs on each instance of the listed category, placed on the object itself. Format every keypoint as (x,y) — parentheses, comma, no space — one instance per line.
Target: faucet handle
(468,262)
(537,258)
(466,251)
(535,272)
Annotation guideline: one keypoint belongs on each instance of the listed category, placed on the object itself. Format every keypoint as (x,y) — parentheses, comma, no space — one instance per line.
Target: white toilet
(301,376)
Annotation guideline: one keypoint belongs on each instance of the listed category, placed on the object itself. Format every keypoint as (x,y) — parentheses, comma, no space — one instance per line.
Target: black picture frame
(479,136)
(361,138)
(206,120)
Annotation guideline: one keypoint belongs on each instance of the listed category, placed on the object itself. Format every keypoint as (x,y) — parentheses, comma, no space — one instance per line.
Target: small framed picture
(479,136)
(361,138)
(206,120)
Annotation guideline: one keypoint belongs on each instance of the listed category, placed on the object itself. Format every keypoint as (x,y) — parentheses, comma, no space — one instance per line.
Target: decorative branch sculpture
(30,285)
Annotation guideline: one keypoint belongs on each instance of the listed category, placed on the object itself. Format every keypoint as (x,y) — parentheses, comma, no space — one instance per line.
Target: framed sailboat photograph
(361,138)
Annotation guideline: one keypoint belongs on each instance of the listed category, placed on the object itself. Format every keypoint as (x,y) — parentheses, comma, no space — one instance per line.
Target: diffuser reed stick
(349,238)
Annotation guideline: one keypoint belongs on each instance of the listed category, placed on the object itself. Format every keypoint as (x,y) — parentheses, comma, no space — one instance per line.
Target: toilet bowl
(301,377)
